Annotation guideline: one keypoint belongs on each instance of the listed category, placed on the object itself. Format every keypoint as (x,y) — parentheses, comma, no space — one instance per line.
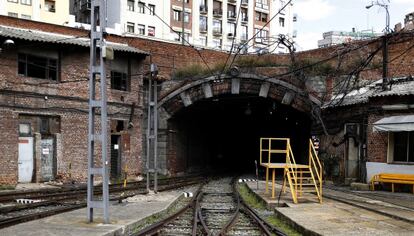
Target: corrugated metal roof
(40,36)
(399,87)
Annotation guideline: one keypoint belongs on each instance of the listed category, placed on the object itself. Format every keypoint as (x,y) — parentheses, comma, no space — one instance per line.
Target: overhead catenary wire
(183,39)
(259,31)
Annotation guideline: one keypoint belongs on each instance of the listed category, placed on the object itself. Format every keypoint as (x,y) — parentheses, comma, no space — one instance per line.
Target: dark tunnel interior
(222,134)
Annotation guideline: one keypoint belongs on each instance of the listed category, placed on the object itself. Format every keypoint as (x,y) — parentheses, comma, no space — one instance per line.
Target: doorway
(115,156)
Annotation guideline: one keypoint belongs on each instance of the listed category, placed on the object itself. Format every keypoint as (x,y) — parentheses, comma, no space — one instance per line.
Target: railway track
(216,209)
(52,203)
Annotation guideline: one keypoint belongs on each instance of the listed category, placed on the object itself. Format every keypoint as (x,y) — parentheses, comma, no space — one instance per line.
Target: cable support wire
(183,39)
(259,31)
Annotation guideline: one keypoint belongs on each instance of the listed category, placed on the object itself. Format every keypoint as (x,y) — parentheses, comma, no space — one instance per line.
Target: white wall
(374,168)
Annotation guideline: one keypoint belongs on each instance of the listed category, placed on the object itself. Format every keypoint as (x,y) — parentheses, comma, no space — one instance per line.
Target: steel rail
(200,216)
(72,206)
(155,228)
(234,218)
(36,194)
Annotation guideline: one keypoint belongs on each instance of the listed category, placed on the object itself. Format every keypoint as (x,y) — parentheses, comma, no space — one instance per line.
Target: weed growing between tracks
(7,187)
(270,217)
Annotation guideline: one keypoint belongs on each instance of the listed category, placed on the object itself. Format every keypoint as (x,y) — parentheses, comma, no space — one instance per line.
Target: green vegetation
(7,187)
(255,203)
(244,62)
(312,68)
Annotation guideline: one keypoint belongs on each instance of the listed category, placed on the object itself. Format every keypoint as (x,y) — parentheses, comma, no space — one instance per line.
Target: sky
(318,16)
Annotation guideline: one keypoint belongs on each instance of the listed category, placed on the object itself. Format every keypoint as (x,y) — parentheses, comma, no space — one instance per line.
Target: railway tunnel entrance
(216,125)
(222,134)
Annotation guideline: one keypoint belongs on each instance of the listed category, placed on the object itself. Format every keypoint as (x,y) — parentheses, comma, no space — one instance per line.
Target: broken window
(38,67)
(119,81)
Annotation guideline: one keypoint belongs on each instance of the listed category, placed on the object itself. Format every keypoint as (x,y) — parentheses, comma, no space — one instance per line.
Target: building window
(177,15)
(141,7)
(231,28)
(261,36)
(50,6)
(404,146)
(262,4)
(177,36)
(131,5)
(38,67)
(217,43)
(244,33)
(130,27)
(281,22)
(217,27)
(151,9)
(15,1)
(119,81)
(203,24)
(13,14)
(186,17)
(26,2)
(244,15)
(151,31)
(26,17)
(141,29)
(203,40)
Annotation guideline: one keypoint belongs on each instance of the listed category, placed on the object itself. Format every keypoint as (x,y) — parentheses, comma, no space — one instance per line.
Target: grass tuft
(256,204)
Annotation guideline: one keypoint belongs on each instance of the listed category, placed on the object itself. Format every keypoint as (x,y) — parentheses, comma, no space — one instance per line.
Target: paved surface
(336,218)
(124,217)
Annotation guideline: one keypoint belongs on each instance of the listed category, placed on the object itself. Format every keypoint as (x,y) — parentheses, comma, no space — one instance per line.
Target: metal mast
(152,129)
(100,134)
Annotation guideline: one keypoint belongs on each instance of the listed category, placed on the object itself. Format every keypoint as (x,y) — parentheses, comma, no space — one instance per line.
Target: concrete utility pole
(384,43)
(97,70)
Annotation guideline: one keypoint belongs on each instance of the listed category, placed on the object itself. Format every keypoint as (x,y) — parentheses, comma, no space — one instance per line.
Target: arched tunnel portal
(215,124)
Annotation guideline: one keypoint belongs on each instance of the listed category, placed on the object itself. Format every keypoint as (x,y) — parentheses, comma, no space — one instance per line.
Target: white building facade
(216,24)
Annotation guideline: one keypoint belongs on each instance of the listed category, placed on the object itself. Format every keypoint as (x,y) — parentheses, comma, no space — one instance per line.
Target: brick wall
(8,146)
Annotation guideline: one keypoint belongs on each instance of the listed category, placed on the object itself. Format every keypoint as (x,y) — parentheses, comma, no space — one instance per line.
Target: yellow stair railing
(316,170)
(296,175)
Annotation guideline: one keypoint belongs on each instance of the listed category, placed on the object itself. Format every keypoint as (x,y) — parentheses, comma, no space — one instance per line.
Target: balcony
(217,12)
(244,20)
(203,9)
(232,1)
(231,15)
(245,3)
(217,32)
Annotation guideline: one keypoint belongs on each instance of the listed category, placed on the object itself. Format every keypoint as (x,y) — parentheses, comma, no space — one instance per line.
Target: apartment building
(216,24)
(49,11)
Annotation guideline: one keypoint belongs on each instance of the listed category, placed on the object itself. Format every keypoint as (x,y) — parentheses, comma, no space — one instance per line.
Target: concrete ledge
(360,186)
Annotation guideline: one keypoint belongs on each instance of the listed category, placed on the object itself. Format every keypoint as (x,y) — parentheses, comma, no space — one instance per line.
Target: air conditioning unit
(230,35)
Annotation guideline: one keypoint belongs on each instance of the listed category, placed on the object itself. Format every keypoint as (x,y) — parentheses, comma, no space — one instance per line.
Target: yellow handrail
(317,167)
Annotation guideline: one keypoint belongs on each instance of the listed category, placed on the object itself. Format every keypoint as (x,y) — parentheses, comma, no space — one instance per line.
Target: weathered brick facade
(68,99)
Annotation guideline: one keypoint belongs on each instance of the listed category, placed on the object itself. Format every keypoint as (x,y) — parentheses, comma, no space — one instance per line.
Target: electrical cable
(259,31)
(183,39)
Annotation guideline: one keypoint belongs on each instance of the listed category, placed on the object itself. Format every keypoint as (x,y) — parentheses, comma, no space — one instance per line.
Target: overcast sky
(318,16)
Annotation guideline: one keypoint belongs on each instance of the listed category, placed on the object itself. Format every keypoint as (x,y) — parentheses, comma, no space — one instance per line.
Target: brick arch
(244,84)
